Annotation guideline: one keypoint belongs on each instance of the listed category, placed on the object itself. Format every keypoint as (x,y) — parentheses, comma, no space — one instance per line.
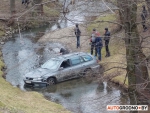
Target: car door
(77,66)
(64,71)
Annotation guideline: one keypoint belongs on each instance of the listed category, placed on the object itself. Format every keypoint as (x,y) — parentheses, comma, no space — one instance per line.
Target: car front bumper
(35,83)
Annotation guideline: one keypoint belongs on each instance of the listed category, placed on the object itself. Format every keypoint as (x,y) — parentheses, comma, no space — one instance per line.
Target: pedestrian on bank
(77,33)
(144,16)
(98,45)
(107,38)
(92,41)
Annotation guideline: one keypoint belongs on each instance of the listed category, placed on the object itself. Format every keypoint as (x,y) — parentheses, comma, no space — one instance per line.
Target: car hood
(38,73)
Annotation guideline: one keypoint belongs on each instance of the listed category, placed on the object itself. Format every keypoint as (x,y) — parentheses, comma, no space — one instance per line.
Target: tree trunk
(39,6)
(136,67)
(12,7)
(119,5)
(148,5)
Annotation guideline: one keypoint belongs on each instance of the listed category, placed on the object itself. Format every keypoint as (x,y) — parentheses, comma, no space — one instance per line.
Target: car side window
(65,64)
(76,60)
(87,58)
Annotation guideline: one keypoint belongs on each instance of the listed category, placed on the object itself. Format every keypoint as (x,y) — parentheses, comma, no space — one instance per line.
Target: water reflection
(80,96)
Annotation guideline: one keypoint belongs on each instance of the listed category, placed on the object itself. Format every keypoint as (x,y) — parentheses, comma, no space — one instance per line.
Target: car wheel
(88,75)
(51,81)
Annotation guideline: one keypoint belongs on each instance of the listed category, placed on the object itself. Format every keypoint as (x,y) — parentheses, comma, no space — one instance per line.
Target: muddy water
(82,96)
(23,54)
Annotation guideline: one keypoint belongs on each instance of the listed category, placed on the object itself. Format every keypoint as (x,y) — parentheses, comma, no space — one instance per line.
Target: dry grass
(117,50)
(112,65)
(15,100)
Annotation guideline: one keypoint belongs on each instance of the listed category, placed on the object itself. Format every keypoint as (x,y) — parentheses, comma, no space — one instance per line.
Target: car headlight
(38,79)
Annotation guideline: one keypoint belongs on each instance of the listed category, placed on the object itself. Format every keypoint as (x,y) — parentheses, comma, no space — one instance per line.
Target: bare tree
(136,64)
(12,6)
(148,5)
(39,6)
(119,5)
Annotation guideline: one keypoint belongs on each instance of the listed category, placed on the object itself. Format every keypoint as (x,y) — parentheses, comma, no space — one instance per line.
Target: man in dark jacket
(107,38)
(98,45)
(77,33)
(143,16)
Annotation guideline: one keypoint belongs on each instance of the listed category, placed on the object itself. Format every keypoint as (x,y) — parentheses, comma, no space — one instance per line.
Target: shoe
(108,54)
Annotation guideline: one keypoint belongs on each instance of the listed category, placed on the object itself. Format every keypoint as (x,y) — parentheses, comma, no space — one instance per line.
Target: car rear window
(87,58)
(75,60)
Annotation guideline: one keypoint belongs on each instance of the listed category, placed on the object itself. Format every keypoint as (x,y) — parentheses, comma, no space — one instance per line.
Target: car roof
(66,56)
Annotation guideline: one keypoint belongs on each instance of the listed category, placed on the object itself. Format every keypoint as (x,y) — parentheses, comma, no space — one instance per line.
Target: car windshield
(51,64)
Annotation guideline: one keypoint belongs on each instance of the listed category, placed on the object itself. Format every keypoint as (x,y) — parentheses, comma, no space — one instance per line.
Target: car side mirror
(61,68)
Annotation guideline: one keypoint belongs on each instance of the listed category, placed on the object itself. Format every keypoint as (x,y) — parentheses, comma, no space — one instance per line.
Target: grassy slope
(16,100)
(117,49)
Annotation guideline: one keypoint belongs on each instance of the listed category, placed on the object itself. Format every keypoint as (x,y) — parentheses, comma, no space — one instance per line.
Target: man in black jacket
(77,33)
(107,38)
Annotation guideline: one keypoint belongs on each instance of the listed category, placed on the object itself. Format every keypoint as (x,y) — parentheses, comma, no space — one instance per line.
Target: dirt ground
(5,8)
(67,37)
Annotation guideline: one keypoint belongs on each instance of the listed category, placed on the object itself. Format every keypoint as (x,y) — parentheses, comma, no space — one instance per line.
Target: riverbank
(67,37)
(12,99)
(26,17)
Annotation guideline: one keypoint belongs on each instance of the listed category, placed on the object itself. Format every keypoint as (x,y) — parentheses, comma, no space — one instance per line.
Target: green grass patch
(100,26)
(120,79)
(50,12)
(2,33)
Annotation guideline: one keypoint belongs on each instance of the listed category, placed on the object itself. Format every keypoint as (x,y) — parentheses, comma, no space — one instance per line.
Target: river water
(23,54)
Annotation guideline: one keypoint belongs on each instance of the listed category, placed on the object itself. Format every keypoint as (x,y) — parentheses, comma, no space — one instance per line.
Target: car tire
(88,76)
(51,81)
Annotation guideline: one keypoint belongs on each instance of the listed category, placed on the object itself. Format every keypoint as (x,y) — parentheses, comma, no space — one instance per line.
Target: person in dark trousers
(143,16)
(77,33)
(107,38)
(92,41)
(98,45)
(63,51)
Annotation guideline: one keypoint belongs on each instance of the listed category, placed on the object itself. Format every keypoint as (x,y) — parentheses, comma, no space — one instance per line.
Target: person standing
(107,38)
(92,40)
(98,45)
(77,33)
(143,16)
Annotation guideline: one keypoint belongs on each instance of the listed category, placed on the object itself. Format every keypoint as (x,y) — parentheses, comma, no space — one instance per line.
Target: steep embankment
(12,99)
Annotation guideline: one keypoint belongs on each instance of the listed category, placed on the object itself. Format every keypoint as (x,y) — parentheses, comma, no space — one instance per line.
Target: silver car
(62,68)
